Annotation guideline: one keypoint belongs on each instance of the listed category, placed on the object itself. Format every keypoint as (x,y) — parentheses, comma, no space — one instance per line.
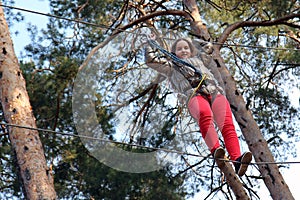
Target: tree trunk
(36,178)
(234,182)
(200,29)
(257,144)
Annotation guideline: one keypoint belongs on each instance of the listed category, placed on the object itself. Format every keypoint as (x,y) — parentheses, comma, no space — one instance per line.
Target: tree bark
(234,182)
(256,143)
(35,176)
(200,29)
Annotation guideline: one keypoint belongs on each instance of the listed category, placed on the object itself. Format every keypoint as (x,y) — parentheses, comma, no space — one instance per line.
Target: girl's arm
(157,61)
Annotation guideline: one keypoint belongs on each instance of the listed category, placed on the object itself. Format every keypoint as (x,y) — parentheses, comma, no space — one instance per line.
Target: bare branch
(293,36)
(130,25)
(196,23)
(121,16)
(191,166)
(237,25)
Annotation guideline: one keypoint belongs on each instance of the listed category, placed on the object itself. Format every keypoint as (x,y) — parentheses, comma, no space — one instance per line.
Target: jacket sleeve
(155,60)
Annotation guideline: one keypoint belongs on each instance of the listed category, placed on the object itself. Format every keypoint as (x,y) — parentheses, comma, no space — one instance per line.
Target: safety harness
(190,72)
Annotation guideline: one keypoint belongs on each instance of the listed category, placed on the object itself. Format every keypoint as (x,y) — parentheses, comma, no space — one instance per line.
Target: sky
(290,175)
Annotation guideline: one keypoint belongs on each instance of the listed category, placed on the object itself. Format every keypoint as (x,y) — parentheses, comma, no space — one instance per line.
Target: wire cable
(122,30)
(57,17)
(142,146)
(102,140)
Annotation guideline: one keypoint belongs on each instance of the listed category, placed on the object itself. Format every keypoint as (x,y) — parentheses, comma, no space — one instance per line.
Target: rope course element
(121,30)
(142,146)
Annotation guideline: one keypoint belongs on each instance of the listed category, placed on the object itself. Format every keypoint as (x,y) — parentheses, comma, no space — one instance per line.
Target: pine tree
(36,177)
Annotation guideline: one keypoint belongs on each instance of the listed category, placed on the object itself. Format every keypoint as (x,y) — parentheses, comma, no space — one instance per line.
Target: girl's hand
(152,36)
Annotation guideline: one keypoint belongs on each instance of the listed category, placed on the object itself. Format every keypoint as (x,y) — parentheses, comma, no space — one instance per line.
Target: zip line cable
(100,139)
(56,16)
(141,146)
(121,30)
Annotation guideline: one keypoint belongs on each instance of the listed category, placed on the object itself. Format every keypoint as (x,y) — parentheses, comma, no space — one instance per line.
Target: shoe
(219,154)
(242,163)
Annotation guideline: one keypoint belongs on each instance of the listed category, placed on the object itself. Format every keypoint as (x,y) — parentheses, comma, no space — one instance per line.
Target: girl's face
(183,50)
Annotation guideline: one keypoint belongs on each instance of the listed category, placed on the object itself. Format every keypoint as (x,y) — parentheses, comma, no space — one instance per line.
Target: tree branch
(130,25)
(237,25)
(294,37)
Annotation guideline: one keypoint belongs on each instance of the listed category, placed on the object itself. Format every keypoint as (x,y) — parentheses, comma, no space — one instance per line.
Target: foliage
(50,79)
(263,75)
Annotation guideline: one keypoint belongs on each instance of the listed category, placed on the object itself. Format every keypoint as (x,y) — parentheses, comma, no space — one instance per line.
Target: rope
(175,58)
(141,146)
(197,88)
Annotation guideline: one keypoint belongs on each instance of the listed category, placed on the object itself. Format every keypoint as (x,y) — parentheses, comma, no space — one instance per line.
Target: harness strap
(196,84)
(177,60)
(197,88)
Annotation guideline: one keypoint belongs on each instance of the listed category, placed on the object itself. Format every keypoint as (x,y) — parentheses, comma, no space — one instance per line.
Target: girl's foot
(242,163)
(219,154)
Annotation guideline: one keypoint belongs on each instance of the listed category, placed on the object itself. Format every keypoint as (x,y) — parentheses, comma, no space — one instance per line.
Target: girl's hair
(192,47)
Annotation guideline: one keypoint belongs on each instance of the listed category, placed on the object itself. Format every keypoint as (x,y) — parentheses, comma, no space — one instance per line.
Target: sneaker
(242,163)
(219,153)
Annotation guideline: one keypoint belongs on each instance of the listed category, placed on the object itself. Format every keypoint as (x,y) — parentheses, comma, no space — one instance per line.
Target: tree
(56,66)
(257,144)
(243,116)
(249,127)
(76,173)
(35,175)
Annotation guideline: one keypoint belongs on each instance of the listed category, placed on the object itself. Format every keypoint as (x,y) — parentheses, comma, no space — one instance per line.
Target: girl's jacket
(178,76)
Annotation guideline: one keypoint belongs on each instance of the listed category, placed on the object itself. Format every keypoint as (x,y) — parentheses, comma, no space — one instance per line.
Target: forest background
(28,56)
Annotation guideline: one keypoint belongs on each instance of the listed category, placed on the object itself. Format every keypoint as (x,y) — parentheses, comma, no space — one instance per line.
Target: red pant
(220,111)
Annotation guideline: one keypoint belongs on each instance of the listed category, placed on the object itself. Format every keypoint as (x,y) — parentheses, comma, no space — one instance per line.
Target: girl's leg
(200,109)
(223,118)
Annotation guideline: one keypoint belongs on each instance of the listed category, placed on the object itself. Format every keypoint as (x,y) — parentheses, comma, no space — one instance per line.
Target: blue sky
(22,39)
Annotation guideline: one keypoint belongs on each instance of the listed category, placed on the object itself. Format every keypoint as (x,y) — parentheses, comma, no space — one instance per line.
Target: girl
(206,102)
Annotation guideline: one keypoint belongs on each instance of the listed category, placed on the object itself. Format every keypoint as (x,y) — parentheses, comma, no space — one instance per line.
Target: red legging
(220,111)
